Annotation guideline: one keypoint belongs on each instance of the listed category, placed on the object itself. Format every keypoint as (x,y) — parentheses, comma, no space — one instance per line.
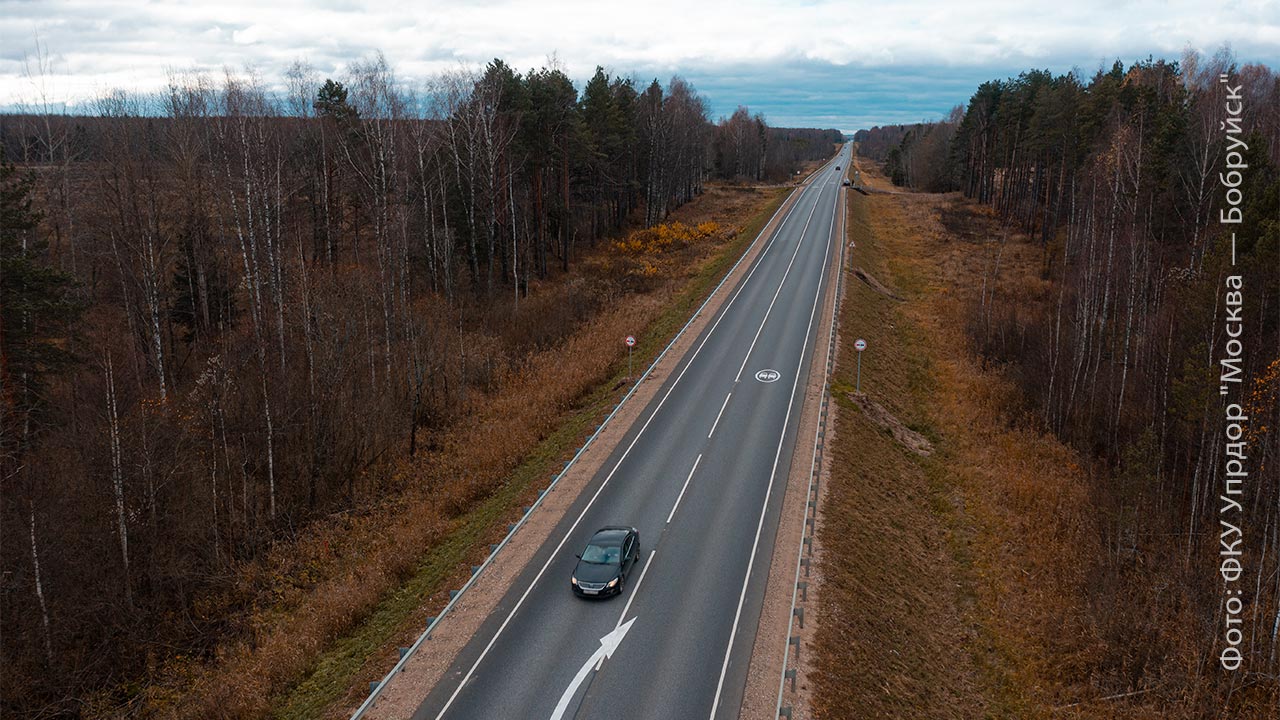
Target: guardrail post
(791,675)
(799,613)
(795,640)
(784,712)
(804,591)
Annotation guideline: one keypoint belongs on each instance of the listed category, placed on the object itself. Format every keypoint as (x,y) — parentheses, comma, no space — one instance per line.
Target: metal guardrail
(809,526)
(376,688)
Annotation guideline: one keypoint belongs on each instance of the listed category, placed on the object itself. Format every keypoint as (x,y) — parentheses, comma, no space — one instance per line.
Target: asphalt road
(701,474)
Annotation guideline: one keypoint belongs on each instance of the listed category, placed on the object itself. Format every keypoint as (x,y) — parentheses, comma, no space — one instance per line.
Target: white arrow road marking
(608,644)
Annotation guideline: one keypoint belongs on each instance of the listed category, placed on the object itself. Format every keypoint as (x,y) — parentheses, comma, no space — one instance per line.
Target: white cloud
(100,44)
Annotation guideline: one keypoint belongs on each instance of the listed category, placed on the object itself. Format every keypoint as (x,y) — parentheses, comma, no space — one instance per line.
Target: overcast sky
(803,63)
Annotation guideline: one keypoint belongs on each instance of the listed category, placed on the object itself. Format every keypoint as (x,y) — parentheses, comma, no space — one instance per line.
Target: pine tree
(36,310)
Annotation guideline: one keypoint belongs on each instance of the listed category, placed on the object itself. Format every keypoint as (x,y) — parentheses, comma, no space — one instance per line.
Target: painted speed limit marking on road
(768,376)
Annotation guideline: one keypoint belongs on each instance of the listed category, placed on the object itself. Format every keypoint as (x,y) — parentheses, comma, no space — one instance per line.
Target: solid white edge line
(493,640)
(684,487)
(717,422)
(764,509)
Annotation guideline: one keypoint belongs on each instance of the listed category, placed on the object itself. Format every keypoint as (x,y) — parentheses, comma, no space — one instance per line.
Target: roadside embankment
(949,531)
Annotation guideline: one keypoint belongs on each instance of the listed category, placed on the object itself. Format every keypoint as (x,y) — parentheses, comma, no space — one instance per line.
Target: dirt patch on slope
(875,284)
(908,438)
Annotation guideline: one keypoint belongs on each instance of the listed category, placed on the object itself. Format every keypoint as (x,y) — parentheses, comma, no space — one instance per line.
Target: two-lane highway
(701,474)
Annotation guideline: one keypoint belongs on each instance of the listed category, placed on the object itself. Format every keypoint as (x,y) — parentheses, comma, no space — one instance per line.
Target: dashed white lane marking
(717,422)
(684,487)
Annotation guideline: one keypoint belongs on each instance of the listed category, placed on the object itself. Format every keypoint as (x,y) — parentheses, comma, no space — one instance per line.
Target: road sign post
(859,345)
(631,342)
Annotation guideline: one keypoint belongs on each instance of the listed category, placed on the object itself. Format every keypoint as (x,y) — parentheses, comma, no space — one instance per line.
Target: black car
(603,566)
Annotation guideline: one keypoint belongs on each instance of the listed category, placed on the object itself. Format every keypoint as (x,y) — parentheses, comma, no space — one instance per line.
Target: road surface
(701,474)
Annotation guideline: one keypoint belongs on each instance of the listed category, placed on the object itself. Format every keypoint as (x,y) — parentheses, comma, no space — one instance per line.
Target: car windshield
(602,554)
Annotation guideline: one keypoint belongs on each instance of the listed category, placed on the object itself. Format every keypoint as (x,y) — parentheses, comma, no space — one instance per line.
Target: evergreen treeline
(1117,178)
(915,156)
(225,308)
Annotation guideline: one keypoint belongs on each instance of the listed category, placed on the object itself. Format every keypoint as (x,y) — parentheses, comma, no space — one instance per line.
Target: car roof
(613,533)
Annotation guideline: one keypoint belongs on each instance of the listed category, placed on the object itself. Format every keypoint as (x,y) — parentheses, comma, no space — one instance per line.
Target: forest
(1119,179)
(229,305)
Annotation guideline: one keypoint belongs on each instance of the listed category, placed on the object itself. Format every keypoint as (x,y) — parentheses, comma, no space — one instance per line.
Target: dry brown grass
(1085,626)
(1025,494)
(892,637)
(963,591)
(977,582)
(312,591)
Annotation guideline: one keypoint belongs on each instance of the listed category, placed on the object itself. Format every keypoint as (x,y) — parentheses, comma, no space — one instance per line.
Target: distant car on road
(603,566)
(846,181)
(837,167)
